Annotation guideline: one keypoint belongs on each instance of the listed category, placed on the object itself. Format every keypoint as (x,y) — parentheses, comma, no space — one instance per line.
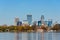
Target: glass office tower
(29,19)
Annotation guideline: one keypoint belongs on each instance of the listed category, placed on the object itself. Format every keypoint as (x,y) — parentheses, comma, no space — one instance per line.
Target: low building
(19,23)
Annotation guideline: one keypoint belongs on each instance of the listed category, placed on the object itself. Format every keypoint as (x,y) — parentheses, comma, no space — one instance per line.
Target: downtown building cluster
(29,25)
(29,22)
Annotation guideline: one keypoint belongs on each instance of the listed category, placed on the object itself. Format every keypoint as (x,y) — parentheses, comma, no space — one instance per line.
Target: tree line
(28,28)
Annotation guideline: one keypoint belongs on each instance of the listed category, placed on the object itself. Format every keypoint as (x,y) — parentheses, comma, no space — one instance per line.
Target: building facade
(19,23)
(42,19)
(49,23)
(16,20)
(39,23)
(29,19)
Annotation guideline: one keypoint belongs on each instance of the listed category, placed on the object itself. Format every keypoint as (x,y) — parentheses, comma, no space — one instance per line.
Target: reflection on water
(30,36)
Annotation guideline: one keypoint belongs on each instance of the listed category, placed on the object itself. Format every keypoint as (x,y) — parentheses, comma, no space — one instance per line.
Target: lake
(29,36)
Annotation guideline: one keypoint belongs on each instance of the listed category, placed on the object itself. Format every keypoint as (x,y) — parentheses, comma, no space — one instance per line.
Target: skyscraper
(49,23)
(29,19)
(39,23)
(16,20)
(42,19)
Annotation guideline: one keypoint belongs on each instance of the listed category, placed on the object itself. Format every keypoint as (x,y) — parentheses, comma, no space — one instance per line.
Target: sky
(9,9)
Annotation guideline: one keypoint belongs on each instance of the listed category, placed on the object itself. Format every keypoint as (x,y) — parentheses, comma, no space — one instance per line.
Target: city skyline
(9,9)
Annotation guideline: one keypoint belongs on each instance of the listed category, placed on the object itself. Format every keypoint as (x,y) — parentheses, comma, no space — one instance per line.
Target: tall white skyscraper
(16,20)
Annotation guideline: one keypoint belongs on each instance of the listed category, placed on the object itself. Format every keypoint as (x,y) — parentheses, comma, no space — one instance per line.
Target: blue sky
(9,9)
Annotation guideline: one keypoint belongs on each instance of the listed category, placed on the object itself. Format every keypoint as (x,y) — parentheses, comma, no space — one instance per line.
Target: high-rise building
(29,19)
(42,19)
(16,20)
(39,23)
(50,23)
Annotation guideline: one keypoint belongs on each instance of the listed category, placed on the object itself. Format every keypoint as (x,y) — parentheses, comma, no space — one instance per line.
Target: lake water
(30,36)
